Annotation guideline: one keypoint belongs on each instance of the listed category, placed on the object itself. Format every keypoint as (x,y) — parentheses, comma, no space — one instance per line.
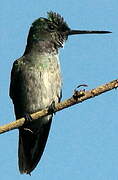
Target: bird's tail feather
(31,146)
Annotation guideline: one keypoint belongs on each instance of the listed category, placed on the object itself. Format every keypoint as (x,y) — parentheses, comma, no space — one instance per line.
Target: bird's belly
(40,87)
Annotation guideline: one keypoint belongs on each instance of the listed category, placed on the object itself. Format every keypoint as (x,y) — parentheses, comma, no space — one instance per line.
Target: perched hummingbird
(36,84)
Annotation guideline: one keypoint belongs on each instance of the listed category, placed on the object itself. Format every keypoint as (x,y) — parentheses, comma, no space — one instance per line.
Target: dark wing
(15,88)
(13,83)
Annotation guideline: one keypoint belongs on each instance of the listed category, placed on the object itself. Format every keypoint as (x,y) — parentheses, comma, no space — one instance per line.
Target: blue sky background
(83,142)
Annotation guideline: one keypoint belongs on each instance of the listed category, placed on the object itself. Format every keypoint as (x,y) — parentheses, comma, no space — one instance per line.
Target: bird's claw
(29,130)
(28,118)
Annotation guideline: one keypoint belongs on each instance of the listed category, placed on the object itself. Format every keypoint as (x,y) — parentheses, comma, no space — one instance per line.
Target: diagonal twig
(78,97)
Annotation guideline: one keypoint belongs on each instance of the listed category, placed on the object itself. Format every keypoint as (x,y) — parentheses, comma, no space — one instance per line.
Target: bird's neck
(41,47)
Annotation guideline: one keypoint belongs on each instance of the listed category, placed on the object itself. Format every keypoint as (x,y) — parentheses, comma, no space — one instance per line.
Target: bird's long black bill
(74,32)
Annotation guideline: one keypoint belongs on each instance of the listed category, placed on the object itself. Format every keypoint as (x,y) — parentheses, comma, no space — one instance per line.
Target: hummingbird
(36,83)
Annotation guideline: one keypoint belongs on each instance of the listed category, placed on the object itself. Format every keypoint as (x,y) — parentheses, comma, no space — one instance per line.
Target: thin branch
(78,97)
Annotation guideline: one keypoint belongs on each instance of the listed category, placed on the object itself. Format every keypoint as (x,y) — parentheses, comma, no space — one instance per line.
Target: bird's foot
(52,108)
(28,118)
(78,94)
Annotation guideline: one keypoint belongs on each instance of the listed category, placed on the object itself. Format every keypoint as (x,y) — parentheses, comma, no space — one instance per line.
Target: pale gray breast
(41,82)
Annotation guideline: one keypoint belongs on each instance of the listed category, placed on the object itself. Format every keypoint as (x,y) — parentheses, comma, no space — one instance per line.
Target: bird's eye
(51,27)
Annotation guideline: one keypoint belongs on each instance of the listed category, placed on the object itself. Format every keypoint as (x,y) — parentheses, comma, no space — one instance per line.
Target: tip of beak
(106,32)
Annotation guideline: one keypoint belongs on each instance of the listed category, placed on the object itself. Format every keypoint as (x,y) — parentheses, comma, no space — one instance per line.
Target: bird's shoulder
(18,63)
(15,72)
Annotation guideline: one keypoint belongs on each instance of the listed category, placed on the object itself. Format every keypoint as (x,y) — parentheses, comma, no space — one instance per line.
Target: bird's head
(54,29)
